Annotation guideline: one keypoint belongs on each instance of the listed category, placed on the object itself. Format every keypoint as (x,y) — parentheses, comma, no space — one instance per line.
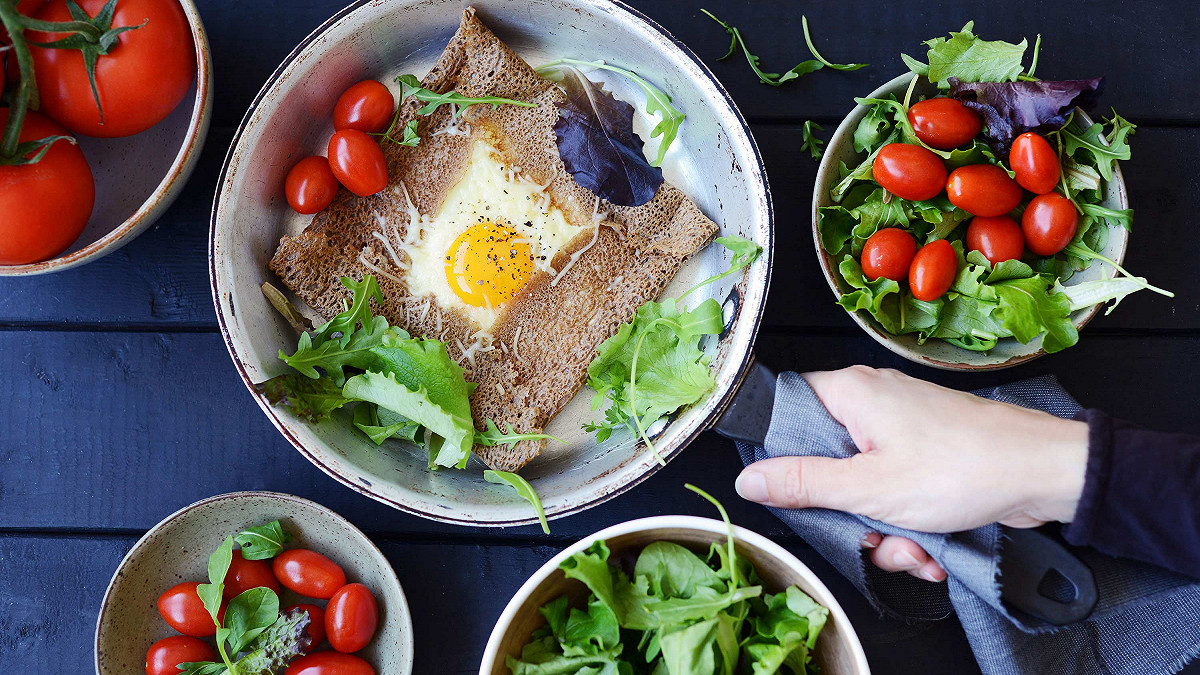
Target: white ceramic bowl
(139,177)
(714,161)
(177,550)
(937,353)
(838,650)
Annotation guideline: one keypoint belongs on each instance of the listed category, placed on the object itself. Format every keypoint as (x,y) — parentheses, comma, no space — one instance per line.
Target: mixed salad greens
(987,300)
(673,613)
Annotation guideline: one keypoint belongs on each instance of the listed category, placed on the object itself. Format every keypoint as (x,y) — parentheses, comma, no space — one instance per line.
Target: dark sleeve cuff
(1095,482)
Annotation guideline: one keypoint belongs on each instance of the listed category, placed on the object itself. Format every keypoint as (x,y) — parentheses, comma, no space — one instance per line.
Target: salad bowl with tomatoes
(301,584)
(122,152)
(997,203)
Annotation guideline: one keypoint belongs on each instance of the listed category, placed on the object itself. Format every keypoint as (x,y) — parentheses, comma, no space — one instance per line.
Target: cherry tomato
(182,608)
(944,123)
(358,162)
(366,106)
(310,185)
(998,238)
(983,190)
(308,573)
(43,206)
(316,623)
(140,80)
(909,171)
(1035,163)
(1049,223)
(330,663)
(888,253)
(166,654)
(933,270)
(351,617)
(246,574)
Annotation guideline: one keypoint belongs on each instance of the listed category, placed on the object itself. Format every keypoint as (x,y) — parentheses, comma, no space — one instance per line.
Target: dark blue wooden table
(119,403)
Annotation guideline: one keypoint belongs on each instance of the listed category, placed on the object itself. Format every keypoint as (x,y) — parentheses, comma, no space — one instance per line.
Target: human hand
(932,459)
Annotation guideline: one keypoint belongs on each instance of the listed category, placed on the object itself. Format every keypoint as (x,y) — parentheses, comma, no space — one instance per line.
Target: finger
(802,482)
(844,392)
(872,540)
(900,554)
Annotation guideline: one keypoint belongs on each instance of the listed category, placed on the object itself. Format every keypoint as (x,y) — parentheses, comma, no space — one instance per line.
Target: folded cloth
(1146,620)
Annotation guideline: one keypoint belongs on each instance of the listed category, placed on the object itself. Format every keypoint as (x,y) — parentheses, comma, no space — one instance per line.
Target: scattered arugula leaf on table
(811,142)
(658,102)
(775,79)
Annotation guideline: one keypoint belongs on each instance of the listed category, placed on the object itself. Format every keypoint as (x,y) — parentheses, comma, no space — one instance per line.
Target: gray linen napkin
(1147,619)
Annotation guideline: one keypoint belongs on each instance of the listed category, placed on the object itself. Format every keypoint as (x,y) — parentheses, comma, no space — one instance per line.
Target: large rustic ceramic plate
(937,353)
(714,161)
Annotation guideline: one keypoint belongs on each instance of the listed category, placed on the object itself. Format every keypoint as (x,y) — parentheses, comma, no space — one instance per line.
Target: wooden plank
(54,586)
(161,279)
(130,427)
(1120,41)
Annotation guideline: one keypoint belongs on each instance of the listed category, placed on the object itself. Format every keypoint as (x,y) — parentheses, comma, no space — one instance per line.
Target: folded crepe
(534,358)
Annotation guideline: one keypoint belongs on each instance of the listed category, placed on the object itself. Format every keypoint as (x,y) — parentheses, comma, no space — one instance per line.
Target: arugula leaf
(248,615)
(811,143)
(411,86)
(813,50)
(658,102)
(1099,149)
(410,138)
(262,542)
(773,79)
(523,488)
(970,59)
(311,399)
(453,426)
(744,252)
(492,435)
(367,417)
(598,145)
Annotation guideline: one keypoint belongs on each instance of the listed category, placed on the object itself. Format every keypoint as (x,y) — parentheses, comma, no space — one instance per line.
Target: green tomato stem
(27,89)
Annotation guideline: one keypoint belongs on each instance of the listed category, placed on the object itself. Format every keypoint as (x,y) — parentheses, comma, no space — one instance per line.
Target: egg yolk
(488,264)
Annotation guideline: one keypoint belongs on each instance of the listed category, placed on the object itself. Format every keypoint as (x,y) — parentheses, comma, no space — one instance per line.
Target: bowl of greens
(970,216)
(673,594)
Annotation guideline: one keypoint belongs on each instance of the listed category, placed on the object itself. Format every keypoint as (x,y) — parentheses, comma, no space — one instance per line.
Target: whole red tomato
(351,618)
(1035,163)
(888,253)
(366,106)
(246,574)
(140,80)
(166,654)
(944,123)
(983,190)
(330,663)
(43,206)
(308,573)
(998,238)
(316,623)
(1049,223)
(310,185)
(909,171)
(358,162)
(933,270)
(183,610)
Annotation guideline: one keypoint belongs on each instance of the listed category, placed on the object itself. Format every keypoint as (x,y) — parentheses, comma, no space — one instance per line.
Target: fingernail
(928,575)
(905,560)
(867,543)
(752,486)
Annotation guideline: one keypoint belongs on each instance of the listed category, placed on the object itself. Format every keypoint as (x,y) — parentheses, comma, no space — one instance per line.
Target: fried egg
(495,230)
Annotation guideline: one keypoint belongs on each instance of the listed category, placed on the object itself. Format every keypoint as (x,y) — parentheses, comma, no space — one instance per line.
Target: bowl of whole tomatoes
(262,581)
(108,104)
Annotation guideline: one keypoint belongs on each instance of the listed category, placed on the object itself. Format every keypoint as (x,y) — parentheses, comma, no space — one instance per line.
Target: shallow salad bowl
(936,353)
(838,650)
(714,161)
(177,549)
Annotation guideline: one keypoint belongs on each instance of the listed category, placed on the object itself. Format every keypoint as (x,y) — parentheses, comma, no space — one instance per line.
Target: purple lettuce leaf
(1009,109)
(598,145)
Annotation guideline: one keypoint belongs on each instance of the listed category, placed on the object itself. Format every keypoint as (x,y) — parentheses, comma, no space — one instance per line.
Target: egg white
(489,190)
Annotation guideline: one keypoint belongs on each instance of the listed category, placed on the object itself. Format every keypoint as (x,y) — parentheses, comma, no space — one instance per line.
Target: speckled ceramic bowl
(838,650)
(177,550)
(139,177)
(936,353)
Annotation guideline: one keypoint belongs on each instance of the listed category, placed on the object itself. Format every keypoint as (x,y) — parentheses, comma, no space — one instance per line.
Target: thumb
(802,482)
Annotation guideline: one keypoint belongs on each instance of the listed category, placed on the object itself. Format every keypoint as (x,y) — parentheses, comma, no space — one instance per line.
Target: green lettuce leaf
(311,399)
(971,59)
(453,426)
